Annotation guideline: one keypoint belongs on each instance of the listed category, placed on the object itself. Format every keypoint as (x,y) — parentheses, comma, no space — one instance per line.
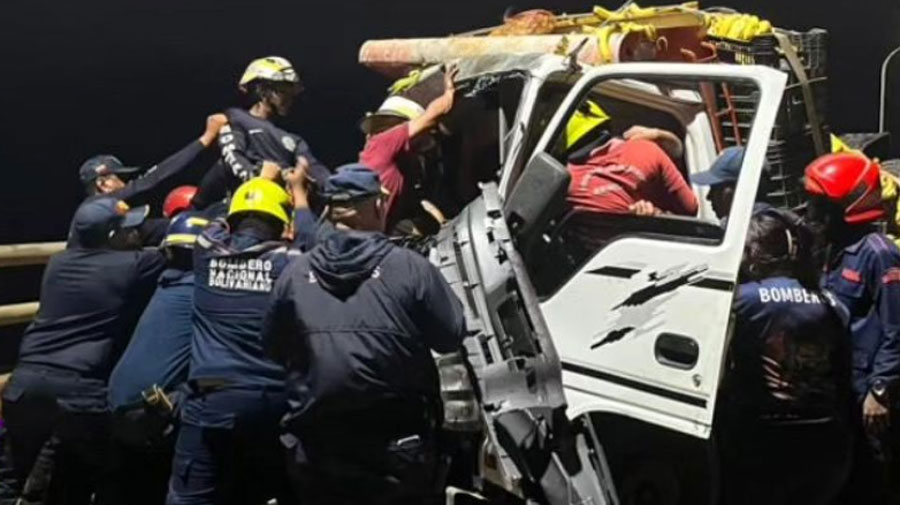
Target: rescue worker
(102,175)
(145,386)
(354,322)
(227,451)
(786,437)
(396,135)
(863,271)
(55,402)
(251,139)
(722,178)
(622,176)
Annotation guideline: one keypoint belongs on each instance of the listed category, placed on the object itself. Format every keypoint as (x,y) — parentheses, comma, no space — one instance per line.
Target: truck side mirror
(538,197)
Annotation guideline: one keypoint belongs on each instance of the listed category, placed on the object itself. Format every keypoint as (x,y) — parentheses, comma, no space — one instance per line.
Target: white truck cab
(626,332)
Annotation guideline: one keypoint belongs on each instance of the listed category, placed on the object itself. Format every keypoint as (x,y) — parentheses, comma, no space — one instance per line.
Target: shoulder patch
(851,275)
(289,143)
(891,275)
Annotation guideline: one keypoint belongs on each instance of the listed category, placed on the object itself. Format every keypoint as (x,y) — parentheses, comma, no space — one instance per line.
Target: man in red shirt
(625,176)
(393,153)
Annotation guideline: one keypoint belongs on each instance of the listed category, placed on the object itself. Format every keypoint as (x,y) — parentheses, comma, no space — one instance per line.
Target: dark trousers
(377,457)
(9,483)
(58,435)
(143,444)
(789,465)
(875,476)
(228,450)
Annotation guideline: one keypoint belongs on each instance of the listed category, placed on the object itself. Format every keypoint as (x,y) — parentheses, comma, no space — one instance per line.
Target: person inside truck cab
(397,135)
(863,271)
(630,175)
(785,431)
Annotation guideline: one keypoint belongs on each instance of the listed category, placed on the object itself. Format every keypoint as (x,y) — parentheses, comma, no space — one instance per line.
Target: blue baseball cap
(724,170)
(103,164)
(98,218)
(350,182)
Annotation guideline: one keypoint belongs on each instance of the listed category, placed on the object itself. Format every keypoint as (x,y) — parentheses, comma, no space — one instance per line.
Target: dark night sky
(137,79)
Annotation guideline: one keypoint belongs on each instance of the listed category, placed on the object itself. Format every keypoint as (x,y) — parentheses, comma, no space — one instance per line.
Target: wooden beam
(17,313)
(28,254)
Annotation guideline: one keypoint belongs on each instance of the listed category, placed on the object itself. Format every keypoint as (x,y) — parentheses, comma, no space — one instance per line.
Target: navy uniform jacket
(140,191)
(354,321)
(160,349)
(866,278)
(234,275)
(90,302)
(246,141)
(790,353)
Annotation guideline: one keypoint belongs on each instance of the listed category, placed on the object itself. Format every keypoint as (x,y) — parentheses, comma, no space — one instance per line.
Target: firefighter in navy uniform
(863,271)
(55,403)
(144,387)
(251,139)
(101,175)
(227,451)
(786,436)
(354,322)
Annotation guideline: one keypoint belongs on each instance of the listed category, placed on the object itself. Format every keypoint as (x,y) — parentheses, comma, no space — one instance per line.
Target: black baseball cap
(103,164)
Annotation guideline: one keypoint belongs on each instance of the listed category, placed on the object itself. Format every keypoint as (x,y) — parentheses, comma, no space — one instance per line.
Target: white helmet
(270,68)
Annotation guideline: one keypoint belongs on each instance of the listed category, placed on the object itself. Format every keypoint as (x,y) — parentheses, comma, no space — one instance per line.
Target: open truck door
(639,316)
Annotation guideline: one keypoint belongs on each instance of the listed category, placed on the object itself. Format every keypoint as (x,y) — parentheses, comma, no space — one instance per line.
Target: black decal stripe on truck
(627,273)
(633,384)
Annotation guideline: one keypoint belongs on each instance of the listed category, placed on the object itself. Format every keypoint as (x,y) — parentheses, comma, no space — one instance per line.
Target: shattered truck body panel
(593,345)
(537,452)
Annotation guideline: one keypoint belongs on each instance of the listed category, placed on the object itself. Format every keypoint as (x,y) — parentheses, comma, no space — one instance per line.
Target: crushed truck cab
(638,329)
(630,338)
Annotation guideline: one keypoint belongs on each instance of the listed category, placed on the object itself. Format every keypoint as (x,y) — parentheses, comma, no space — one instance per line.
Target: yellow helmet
(270,68)
(261,195)
(583,121)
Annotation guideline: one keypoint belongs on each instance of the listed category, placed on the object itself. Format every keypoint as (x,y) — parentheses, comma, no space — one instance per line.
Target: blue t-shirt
(789,352)
(160,348)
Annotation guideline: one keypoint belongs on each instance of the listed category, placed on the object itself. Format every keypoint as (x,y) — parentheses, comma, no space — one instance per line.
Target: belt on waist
(153,398)
(205,385)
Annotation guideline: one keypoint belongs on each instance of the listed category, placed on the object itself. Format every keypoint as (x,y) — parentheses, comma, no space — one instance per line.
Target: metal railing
(18,255)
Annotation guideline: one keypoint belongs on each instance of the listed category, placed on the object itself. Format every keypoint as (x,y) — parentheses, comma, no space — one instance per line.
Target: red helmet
(179,199)
(849,180)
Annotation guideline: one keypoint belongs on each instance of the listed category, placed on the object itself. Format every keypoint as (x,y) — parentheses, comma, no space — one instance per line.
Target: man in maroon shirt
(630,177)
(394,153)
(633,175)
